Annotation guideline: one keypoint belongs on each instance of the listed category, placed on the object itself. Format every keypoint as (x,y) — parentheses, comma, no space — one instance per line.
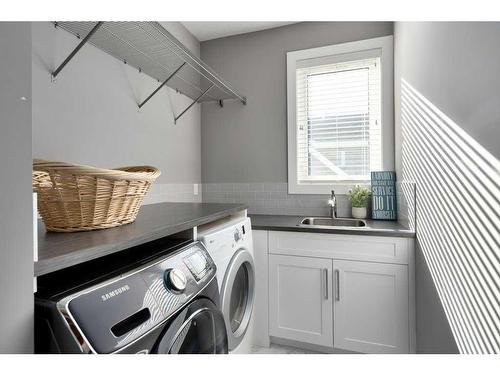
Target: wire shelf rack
(150,48)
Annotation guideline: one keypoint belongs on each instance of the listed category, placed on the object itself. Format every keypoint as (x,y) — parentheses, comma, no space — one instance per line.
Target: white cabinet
(345,292)
(300,299)
(371,307)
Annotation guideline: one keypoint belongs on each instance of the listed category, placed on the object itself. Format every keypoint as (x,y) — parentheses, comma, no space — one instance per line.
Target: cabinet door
(371,307)
(300,299)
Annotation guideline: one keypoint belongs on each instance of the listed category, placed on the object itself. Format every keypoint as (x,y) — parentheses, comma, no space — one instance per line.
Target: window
(337,133)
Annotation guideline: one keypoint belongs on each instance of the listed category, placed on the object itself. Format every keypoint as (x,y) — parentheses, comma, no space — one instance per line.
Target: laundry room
(318,185)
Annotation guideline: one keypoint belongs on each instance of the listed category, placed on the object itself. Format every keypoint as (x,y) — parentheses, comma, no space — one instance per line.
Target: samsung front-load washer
(162,304)
(231,247)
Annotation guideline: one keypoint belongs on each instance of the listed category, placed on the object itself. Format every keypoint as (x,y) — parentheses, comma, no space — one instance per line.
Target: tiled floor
(280,349)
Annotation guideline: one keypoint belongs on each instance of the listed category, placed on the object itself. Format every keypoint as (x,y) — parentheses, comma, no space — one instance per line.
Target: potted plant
(359,197)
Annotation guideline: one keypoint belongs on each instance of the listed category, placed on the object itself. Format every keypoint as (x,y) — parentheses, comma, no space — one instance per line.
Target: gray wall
(16,211)
(90,114)
(243,144)
(447,113)
(244,148)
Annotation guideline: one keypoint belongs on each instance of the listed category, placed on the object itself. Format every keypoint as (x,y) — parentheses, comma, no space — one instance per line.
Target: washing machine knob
(175,280)
(237,235)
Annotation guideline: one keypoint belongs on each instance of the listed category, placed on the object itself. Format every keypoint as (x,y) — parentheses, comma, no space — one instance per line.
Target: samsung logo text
(115,292)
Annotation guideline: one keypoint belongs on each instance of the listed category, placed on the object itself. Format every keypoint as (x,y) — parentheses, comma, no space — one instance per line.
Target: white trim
(385,44)
(325,188)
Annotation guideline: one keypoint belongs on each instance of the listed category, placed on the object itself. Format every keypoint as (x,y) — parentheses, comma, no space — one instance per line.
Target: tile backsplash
(173,193)
(273,199)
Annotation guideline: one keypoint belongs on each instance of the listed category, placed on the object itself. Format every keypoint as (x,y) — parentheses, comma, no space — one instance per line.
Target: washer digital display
(197,264)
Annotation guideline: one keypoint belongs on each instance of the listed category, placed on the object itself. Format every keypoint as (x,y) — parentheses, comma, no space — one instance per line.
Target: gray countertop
(61,250)
(292,224)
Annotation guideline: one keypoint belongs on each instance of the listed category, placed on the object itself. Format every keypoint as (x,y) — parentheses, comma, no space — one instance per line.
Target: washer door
(198,329)
(237,296)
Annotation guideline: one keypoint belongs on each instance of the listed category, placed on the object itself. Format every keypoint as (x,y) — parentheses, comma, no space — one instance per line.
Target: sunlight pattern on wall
(458,219)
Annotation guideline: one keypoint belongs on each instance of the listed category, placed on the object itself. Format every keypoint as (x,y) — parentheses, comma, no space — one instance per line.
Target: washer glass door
(198,329)
(238,296)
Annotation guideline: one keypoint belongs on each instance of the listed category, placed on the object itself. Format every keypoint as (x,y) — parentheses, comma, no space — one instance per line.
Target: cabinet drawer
(340,246)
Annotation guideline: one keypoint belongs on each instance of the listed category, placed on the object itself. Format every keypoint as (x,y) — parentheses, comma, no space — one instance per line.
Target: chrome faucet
(332,202)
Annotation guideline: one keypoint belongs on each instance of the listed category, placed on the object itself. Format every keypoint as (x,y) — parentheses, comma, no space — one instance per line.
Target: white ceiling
(212,30)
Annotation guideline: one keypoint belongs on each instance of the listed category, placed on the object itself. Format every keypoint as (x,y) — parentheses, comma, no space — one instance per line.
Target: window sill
(326,188)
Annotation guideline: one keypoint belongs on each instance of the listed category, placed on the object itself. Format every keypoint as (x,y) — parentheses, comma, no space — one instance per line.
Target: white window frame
(385,44)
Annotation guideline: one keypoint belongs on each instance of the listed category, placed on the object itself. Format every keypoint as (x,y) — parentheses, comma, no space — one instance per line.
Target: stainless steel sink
(330,222)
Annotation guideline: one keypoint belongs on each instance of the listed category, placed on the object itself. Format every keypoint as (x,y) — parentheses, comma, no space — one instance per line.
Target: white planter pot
(359,212)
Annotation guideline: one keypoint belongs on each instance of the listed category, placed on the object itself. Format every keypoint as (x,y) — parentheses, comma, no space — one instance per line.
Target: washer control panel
(239,233)
(115,313)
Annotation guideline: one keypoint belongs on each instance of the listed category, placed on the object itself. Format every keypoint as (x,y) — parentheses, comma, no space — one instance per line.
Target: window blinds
(338,120)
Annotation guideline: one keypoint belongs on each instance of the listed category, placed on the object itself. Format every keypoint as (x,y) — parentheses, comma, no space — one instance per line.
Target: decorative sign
(383,195)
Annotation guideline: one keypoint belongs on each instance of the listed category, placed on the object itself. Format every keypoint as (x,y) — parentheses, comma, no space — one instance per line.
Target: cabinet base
(311,347)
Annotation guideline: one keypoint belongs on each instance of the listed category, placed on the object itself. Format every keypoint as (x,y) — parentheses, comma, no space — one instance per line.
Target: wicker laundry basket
(73,198)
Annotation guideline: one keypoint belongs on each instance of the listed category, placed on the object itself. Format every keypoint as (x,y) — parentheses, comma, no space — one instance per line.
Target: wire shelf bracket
(75,51)
(193,103)
(163,84)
